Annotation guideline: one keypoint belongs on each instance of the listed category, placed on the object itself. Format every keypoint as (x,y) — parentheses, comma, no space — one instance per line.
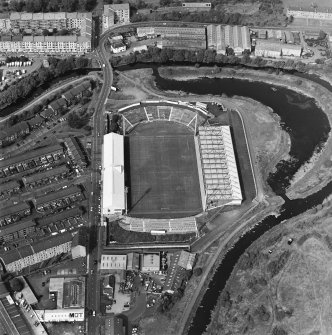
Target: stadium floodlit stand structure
(219,179)
(148,111)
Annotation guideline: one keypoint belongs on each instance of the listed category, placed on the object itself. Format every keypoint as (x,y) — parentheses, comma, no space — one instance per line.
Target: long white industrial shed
(113,199)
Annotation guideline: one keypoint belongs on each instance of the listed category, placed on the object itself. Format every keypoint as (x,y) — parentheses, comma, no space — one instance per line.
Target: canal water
(308,128)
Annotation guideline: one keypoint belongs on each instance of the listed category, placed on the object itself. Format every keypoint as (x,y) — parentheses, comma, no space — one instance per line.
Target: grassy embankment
(277,288)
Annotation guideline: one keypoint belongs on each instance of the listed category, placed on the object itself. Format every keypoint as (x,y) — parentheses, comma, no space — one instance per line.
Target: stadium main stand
(171,226)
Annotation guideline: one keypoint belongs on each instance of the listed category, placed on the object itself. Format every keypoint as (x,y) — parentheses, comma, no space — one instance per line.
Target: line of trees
(270,13)
(23,88)
(51,5)
(162,56)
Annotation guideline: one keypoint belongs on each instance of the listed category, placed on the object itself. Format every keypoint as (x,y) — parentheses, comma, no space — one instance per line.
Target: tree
(198,272)
(45,32)
(16,284)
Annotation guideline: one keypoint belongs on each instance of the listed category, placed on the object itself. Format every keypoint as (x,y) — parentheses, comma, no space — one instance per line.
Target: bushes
(26,85)
(275,266)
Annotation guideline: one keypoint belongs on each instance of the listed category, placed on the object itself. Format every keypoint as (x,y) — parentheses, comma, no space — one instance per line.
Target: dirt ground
(266,293)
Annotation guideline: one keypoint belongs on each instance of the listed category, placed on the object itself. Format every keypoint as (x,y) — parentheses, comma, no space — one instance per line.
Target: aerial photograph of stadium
(165,167)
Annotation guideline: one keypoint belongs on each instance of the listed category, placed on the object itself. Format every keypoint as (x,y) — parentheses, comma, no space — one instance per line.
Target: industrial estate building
(113,194)
(219,177)
(220,38)
(115,14)
(276,49)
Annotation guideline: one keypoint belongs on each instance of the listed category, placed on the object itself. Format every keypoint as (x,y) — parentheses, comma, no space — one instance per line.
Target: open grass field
(162,172)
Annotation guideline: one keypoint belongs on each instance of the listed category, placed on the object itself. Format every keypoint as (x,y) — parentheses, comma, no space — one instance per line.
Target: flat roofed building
(70,291)
(36,254)
(219,169)
(113,262)
(145,31)
(320,13)
(196,6)
(115,14)
(114,325)
(150,262)
(61,315)
(113,199)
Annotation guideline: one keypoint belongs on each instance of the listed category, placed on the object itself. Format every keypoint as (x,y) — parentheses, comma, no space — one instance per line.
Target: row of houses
(45,177)
(7,189)
(23,128)
(13,213)
(75,151)
(30,160)
(59,199)
(45,44)
(54,224)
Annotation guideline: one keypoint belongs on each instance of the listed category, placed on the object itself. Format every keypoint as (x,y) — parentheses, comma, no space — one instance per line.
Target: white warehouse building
(113,194)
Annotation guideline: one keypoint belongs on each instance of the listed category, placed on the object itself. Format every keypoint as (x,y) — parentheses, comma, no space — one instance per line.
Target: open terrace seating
(164,112)
(171,226)
(135,115)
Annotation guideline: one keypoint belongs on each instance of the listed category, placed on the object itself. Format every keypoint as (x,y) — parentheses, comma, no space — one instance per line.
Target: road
(95,220)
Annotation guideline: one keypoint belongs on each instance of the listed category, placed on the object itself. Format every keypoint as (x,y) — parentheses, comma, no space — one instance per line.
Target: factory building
(220,38)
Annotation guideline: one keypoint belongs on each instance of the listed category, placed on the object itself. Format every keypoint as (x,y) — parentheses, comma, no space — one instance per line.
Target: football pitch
(161,171)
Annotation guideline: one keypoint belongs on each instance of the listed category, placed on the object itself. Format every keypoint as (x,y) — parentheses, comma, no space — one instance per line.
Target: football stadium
(168,166)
